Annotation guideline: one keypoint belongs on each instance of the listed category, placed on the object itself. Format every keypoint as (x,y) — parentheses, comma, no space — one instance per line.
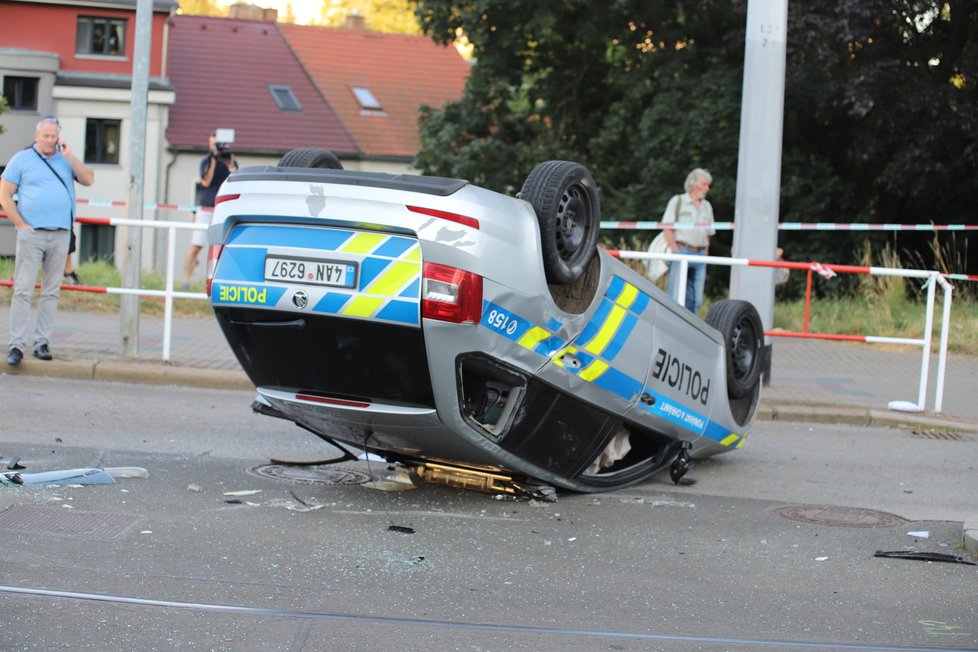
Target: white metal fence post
(942,356)
(928,335)
(171,246)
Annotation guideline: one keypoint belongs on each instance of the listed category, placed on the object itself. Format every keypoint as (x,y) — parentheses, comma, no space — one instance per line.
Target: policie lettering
(671,371)
(241,294)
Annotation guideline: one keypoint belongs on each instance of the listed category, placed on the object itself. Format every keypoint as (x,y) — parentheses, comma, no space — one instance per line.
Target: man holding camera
(214,169)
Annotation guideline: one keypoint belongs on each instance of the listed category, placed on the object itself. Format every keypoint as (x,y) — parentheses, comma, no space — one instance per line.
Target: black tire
(310,158)
(743,338)
(565,199)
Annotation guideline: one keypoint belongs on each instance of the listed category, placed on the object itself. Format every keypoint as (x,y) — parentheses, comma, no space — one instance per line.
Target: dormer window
(100,36)
(369,105)
(285,98)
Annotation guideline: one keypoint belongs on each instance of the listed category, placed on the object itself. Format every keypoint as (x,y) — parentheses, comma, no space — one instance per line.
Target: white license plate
(310,271)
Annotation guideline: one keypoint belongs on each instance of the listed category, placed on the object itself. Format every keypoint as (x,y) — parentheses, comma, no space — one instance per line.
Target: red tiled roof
(221,69)
(403,72)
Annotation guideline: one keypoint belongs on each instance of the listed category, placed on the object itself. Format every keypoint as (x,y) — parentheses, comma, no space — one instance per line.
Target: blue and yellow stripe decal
(603,337)
(600,342)
(539,339)
(388,286)
(668,409)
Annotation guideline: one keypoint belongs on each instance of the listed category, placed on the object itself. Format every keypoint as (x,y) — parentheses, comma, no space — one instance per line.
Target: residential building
(279,87)
(75,60)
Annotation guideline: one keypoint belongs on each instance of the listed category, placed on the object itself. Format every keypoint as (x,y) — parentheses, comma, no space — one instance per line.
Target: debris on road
(86,476)
(15,465)
(924,556)
(124,472)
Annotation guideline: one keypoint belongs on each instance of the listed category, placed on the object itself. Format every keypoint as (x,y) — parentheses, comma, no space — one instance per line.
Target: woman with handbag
(695,213)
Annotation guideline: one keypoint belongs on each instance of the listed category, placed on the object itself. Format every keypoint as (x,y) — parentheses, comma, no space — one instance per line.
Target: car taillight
(450,294)
(223,198)
(213,255)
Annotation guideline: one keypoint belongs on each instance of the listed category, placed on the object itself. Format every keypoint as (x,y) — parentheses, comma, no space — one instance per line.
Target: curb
(771,410)
(150,373)
(169,375)
(160,373)
(971,537)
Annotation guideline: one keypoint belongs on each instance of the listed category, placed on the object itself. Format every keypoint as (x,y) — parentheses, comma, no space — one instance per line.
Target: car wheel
(743,338)
(565,199)
(310,158)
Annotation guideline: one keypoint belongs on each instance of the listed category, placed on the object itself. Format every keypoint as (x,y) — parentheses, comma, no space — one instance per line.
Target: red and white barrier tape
(634,224)
(795,226)
(149,206)
(142,292)
(826,270)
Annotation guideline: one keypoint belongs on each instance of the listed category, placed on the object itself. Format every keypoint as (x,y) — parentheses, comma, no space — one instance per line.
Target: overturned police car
(479,339)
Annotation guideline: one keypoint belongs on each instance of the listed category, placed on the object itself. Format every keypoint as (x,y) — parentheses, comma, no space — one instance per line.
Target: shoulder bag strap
(63,184)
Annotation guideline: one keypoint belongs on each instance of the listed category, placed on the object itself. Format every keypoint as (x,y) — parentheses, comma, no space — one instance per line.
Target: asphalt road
(772,548)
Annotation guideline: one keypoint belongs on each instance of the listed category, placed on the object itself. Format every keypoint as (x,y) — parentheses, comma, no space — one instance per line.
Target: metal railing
(931,280)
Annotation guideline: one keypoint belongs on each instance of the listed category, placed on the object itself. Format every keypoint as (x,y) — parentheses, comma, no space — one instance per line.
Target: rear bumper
(331,356)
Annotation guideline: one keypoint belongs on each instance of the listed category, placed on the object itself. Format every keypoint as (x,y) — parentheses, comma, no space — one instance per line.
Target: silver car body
(339,351)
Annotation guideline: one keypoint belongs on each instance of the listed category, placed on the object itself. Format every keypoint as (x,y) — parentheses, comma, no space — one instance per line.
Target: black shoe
(14,356)
(42,352)
(72,279)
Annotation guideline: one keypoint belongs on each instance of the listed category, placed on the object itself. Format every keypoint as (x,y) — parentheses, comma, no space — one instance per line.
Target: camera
(223,153)
(223,138)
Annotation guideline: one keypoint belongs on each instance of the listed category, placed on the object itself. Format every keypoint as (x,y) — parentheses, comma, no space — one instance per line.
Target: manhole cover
(65,523)
(839,516)
(320,474)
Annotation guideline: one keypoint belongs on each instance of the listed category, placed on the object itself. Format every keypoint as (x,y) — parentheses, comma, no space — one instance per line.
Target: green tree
(881,123)
(203,8)
(882,104)
(288,14)
(641,92)
(390,16)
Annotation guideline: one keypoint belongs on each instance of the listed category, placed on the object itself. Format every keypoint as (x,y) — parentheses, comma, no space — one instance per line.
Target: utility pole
(129,304)
(756,211)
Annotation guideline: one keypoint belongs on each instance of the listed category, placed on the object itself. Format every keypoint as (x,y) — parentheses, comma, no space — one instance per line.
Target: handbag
(654,267)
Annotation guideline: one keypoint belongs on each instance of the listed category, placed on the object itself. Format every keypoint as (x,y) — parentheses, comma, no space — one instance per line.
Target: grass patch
(103,274)
(903,318)
(887,306)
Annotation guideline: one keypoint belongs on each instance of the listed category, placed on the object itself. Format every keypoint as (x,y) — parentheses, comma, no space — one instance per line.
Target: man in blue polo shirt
(43,179)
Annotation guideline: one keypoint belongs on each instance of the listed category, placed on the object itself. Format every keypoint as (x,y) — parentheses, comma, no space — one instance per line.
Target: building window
(21,93)
(369,104)
(285,98)
(102,140)
(101,36)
